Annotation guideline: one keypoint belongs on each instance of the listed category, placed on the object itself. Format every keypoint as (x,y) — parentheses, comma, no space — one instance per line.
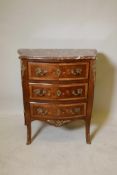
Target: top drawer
(58,71)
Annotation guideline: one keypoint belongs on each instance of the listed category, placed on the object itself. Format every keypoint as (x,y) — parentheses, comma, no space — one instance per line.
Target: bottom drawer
(57,111)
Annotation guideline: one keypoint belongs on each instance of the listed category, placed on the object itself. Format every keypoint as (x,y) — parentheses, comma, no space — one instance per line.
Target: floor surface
(57,151)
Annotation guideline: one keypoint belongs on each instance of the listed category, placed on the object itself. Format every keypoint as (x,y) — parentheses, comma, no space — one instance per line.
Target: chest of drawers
(58,86)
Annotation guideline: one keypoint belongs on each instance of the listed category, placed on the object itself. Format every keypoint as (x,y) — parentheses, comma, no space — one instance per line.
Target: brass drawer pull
(75,110)
(76,71)
(40,72)
(77,92)
(39,92)
(42,111)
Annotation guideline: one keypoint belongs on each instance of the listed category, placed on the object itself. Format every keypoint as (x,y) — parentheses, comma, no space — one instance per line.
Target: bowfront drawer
(57,111)
(54,71)
(45,91)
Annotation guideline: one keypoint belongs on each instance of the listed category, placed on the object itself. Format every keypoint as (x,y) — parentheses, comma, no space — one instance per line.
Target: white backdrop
(58,24)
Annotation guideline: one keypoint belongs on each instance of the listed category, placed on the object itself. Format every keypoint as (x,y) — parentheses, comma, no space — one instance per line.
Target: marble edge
(32,53)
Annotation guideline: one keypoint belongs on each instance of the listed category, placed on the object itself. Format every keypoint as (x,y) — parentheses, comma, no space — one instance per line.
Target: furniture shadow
(103,95)
(104,88)
(41,126)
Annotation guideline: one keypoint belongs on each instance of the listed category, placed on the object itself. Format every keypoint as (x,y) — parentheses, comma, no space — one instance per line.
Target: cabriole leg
(87,127)
(29,133)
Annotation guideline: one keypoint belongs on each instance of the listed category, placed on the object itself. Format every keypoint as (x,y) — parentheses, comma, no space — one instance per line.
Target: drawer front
(57,111)
(54,71)
(44,91)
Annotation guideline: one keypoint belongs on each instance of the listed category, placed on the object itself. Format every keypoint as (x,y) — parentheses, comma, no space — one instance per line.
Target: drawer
(54,71)
(57,111)
(45,91)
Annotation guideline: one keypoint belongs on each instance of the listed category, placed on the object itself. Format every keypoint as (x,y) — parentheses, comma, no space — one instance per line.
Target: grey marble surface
(78,53)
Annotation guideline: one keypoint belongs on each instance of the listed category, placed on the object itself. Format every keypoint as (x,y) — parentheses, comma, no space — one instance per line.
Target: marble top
(35,53)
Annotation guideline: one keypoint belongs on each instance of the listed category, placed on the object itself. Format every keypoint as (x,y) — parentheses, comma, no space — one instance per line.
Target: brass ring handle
(76,71)
(75,110)
(77,92)
(42,111)
(39,92)
(40,72)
